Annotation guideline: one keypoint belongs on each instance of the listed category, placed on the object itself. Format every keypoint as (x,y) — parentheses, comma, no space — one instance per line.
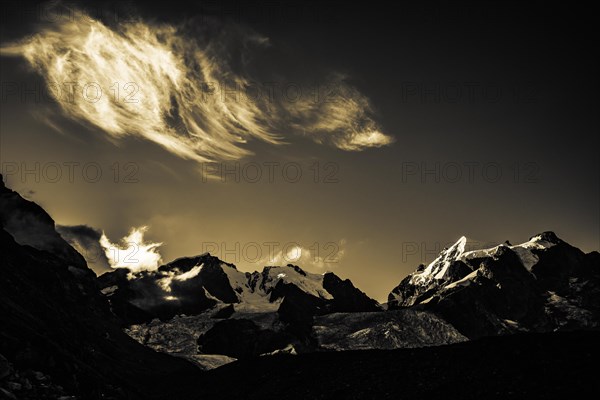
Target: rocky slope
(192,285)
(397,329)
(208,312)
(55,323)
(210,342)
(201,307)
(541,285)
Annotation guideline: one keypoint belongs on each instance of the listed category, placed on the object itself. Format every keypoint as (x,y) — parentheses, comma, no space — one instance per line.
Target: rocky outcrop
(346,297)
(241,338)
(396,329)
(28,384)
(30,225)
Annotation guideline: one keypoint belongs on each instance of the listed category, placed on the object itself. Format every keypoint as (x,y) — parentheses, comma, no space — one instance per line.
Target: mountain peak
(506,288)
(438,268)
(460,244)
(297,269)
(184,264)
(547,236)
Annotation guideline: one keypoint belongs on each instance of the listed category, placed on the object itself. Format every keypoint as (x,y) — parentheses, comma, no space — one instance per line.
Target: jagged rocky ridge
(541,285)
(206,307)
(207,311)
(192,285)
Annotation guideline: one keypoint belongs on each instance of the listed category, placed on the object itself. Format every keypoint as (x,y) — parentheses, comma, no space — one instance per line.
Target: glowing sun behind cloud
(133,252)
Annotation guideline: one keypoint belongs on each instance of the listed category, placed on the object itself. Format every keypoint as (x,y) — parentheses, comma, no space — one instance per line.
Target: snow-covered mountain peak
(535,285)
(460,244)
(544,240)
(438,268)
(547,237)
(526,251)
(292,274)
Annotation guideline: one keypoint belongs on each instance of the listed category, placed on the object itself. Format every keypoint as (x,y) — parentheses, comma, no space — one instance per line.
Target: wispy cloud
(158,82)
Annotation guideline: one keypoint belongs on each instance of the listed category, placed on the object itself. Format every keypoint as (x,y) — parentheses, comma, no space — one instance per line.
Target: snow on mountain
(190,285)
(466,281)
(56,327)
(208,312)
(249,299)
(309,283)
(443,270)
(205,310)
(336,331)
(438,268)
(542,284)
(525,251)
(254,290)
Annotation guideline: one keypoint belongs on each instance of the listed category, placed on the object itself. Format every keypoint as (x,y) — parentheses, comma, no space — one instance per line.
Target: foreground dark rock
(29,385)
(534,366)
(241,338)
(55,321)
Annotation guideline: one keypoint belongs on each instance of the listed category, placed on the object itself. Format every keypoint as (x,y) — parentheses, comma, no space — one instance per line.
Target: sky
(346,138)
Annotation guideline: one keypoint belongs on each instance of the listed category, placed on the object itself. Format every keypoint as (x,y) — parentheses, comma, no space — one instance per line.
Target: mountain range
(66,333)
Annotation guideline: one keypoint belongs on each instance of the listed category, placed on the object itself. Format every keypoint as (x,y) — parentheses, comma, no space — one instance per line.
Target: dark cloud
(86,240)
